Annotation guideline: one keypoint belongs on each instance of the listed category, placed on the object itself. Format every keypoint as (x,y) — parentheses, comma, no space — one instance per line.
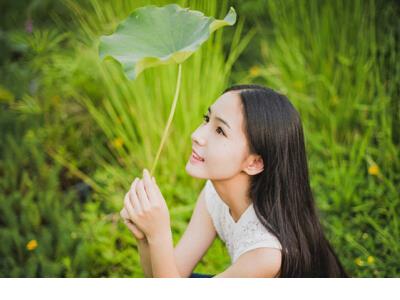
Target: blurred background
(75,132)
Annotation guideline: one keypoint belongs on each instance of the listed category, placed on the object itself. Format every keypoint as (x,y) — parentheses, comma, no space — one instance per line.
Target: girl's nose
(197,139)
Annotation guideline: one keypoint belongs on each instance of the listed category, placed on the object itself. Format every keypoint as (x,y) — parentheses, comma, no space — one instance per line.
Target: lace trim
(251,235)
(238,239)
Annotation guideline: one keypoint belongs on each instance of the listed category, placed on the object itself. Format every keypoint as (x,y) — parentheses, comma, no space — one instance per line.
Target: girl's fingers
(157,190)
(134,184)
(135,230)
(129,208)
(137,207)
(124,213)
(149,186)
(144,201)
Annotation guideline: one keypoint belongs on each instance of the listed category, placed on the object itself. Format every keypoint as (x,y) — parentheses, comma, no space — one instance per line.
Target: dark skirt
(199,275)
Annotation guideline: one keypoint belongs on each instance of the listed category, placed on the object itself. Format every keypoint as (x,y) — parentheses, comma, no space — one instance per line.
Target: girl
(257,196)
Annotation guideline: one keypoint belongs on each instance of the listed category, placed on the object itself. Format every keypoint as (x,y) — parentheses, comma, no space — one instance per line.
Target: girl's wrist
(160,239)
(143,241)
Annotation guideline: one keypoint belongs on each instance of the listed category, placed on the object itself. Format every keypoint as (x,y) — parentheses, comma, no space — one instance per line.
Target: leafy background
(75,132)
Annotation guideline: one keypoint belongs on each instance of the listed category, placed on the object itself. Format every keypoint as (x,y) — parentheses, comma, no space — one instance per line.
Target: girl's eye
(206,119)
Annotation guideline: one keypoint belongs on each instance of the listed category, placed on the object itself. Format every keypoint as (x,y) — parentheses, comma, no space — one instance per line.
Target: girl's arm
(187,253)
(162,256)
(261,262)
(145,259)
(197,238)
(143,245)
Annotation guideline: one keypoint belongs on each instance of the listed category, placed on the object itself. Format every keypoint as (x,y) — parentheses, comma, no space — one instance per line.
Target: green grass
(331,59)
(132,116)
(68,118)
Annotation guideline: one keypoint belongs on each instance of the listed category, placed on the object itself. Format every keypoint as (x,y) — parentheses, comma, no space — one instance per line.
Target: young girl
(257,196)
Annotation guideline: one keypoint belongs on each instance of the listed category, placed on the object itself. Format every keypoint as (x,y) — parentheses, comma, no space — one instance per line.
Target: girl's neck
(234,192)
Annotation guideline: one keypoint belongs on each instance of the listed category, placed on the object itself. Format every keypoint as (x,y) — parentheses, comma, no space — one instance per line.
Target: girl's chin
(192,169)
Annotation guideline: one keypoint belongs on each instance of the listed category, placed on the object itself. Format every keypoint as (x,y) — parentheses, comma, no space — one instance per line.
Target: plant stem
(171,115)
(75,171)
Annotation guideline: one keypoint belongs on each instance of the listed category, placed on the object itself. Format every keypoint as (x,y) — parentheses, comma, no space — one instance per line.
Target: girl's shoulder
(212,200)
(215,207)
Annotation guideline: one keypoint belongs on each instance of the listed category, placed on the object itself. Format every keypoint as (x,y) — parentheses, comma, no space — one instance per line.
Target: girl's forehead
(229,107)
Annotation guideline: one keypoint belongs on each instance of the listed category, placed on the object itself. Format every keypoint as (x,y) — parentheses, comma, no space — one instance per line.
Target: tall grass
(331,59)
(38,219)
(133,114)
(336,60)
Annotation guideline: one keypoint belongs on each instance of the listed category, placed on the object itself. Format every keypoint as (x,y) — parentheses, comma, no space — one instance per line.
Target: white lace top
(246,234)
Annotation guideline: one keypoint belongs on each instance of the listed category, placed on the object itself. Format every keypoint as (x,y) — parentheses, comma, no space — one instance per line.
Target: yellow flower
(31,245)
(5,95)
(298,84)
(359,261)
(335,99)
(118,142)
(255,71)
(56,99)
(371,259)
(373,170)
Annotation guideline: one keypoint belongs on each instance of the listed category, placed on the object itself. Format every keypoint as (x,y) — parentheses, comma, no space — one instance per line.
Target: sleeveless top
(239,237)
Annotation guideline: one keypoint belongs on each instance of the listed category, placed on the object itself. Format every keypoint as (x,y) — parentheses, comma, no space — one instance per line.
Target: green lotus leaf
(153,36)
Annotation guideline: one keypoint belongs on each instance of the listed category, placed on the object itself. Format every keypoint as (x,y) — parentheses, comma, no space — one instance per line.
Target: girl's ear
(255,165)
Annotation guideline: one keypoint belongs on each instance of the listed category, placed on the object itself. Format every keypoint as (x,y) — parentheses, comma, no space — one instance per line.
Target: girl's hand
(147,208)
(139,235)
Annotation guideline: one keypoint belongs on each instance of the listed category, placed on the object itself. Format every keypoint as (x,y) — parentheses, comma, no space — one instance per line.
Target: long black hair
(281,193)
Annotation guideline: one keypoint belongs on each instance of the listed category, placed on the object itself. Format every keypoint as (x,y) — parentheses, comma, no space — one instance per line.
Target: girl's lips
(195,159)
(196,155)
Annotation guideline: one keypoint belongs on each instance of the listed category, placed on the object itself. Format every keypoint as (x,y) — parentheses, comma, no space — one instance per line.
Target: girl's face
(220,141)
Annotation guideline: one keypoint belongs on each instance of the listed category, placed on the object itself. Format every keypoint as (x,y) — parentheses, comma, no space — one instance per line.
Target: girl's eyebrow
(219,119)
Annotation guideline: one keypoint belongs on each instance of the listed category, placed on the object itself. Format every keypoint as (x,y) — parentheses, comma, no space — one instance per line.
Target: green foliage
(38,224)
(65,118)
(134,113)
(338,78)
(153,36)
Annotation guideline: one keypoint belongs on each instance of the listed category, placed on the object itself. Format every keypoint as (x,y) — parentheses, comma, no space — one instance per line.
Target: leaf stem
(171,115)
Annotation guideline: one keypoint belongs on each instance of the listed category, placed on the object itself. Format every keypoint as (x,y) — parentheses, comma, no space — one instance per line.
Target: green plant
(38,220)
(130,115)
(153,36)
(341,79)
